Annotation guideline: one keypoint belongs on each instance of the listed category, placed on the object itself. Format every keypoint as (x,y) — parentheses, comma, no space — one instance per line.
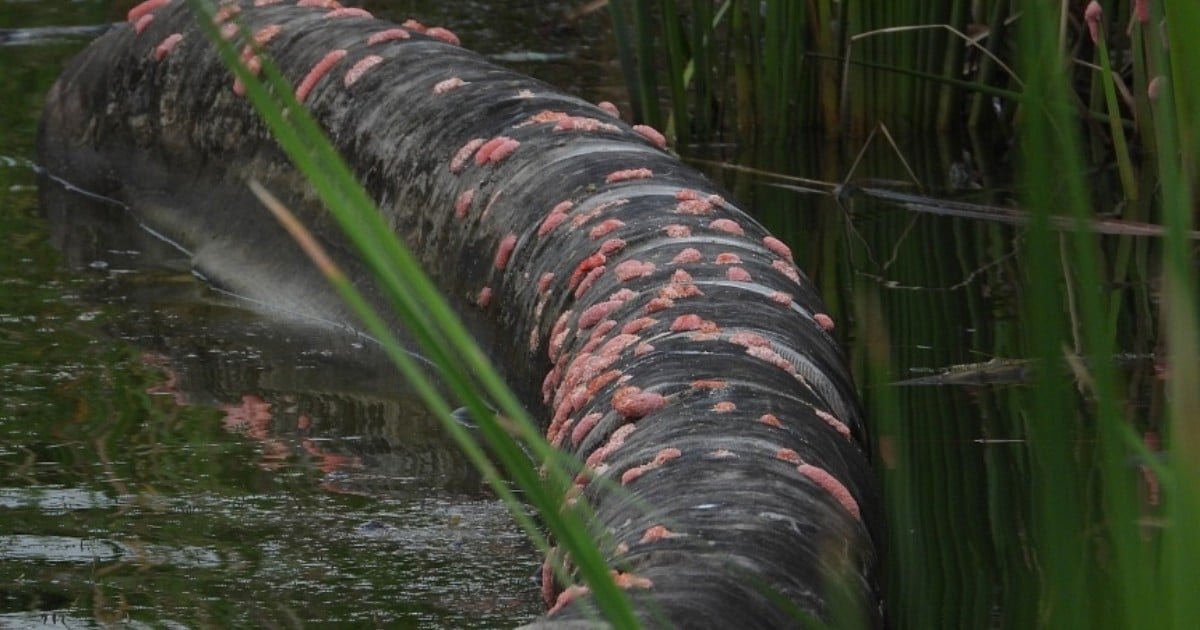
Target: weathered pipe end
(665,337)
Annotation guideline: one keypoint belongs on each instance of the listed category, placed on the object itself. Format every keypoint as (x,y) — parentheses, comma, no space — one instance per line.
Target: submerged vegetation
(1090,518)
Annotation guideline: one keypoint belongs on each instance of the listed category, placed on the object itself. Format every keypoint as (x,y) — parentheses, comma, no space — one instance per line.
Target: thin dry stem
(1126,95)
(299,233)
(970,41)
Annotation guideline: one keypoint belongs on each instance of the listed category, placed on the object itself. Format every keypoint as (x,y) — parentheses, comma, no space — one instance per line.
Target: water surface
(168,457)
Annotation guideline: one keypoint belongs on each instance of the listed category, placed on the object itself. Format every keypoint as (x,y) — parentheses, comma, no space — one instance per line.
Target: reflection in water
(144,413)
(78,550)
(54,500)
(924,293)
(302,390)
(192,464)
(210,463)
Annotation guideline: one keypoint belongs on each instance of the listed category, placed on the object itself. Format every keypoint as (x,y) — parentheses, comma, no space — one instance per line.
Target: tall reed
(836,67)
(1106,123)
(765,70)
(1088,489)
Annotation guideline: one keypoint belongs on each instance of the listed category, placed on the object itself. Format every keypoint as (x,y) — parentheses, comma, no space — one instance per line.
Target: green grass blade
(435,326)
(1177,118)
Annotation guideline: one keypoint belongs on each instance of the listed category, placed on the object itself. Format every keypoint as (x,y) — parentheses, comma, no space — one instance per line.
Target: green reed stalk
(704,75)
(1052,174)
(1060,508)
(926,55)
(1096,560)
(997,29)
(677,61)
(908,77)
(1116,129)
(647,62)
(1177,118)
(949,99)
(744,73)
(438,331)
(825,44)
(627,54)
(852,96)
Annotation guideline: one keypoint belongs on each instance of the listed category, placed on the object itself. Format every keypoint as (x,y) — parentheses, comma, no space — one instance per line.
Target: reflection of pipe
(253,418)
(667,338)
(318,400)
(169,386)
(328,460)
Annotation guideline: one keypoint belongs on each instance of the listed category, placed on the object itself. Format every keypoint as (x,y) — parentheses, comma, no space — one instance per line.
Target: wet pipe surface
(667,339)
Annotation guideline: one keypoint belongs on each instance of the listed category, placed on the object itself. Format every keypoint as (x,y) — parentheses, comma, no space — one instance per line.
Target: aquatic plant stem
(423,310)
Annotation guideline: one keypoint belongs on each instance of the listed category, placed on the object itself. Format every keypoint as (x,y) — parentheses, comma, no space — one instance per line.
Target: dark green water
(168,458)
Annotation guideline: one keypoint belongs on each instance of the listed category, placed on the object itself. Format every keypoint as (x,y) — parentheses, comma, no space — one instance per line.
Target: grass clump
(1104,125)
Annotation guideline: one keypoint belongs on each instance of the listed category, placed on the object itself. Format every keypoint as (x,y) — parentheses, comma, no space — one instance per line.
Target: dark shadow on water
(279,462)
(297,386)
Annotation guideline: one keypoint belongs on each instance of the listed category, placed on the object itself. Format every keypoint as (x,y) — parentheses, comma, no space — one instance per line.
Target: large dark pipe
(664,336)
